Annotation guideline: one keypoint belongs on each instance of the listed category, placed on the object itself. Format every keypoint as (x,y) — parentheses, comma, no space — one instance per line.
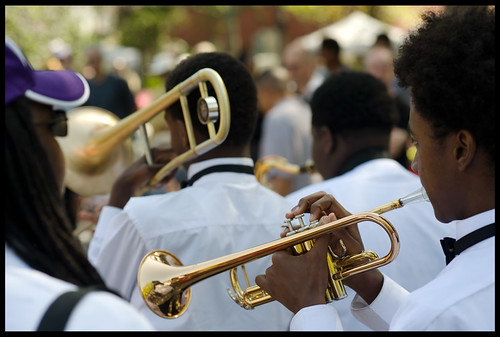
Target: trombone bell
(90,171)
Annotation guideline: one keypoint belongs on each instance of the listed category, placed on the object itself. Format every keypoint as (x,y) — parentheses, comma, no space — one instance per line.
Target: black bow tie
(451,248)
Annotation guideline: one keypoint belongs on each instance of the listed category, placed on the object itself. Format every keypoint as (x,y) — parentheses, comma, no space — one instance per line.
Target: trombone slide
(92,148)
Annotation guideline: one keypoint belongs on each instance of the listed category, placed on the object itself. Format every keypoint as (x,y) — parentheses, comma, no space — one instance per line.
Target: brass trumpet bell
(164,298)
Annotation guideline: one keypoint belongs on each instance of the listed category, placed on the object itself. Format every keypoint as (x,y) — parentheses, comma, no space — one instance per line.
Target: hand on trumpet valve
(325,208)
(137,176)
(297,281)
(317,204)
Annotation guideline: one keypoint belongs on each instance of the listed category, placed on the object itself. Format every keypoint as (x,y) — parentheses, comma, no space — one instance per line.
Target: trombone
(164,282)
(98,148)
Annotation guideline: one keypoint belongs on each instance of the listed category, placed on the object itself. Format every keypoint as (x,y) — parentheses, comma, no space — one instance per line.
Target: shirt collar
(477,221)
(201,165)
(13,260)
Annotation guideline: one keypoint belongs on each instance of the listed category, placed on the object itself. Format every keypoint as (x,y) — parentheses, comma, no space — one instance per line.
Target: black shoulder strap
(58,313)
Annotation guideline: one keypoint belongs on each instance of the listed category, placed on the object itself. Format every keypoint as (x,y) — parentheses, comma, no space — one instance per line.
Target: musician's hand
(366,284)
(138,175)
(318,204)
(321,204)
(298,281)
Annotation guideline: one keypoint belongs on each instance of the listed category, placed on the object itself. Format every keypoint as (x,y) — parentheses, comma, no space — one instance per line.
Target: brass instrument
(163,280)
(266,163)
(97,148)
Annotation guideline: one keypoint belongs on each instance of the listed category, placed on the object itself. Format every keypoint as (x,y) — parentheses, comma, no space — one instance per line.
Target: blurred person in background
(301,64)
(330,57)
(107,91)
(378,62)
(286,129)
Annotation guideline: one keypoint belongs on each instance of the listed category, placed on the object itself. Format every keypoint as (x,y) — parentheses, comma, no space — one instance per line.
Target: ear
(465,149)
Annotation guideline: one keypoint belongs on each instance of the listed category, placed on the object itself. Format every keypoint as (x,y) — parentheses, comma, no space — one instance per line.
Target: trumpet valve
(302,226)
(288,225)
(313,224)
(301,221)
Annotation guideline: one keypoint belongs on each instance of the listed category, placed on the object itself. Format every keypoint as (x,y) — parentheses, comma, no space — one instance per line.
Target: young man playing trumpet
(448,63)
(353,115)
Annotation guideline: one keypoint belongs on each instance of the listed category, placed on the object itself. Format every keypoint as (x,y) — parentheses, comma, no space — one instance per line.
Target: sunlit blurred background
(141,44)
(133,35)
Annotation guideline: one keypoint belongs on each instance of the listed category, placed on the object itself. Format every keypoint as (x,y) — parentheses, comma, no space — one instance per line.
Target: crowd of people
(355,124)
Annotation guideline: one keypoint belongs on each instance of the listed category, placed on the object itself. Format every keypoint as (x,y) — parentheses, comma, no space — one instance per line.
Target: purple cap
(63,89)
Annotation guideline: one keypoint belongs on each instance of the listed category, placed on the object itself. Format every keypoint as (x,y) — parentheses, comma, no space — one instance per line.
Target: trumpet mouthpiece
(417,196)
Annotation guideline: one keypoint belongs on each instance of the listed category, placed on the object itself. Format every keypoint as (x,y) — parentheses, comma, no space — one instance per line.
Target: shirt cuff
(379,313)
(321,317)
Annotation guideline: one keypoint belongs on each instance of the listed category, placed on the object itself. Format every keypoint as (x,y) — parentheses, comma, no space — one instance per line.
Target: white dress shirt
(29,293)
(372,184)
(460,298)
(221,213)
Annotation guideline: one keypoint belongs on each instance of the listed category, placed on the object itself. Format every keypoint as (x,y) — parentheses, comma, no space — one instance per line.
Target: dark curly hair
(448,63)
(240,89)
(351,101)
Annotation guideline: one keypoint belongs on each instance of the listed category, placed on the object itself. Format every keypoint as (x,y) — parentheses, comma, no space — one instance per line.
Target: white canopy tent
(355,34)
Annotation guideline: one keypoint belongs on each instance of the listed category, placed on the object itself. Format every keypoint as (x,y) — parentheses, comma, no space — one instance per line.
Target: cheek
(180,142)
(175,133)
(318,156)
(59,167)
(55,157)
(436,178)
(315,157)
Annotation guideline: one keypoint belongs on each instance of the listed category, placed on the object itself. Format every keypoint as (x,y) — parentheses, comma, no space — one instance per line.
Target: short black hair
(240,89)
(448,63)
(351,101)
(330,44)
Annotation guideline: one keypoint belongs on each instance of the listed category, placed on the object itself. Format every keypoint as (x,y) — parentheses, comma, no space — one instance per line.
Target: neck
(362,156)
(467,191)
(221,152)
(278,96)
(349,152)
(476,191)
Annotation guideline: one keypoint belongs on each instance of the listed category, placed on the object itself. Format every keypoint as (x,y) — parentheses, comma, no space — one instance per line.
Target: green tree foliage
(33,27)
(146,27)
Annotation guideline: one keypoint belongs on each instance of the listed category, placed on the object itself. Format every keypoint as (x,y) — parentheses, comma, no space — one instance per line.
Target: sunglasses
(58,125)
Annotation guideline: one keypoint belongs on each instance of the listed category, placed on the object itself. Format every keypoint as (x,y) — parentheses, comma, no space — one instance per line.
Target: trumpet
(266,163)
(98,147)
(164,282)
